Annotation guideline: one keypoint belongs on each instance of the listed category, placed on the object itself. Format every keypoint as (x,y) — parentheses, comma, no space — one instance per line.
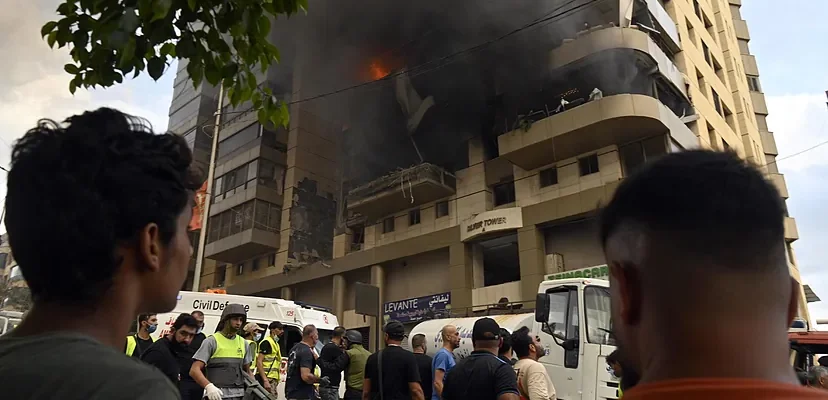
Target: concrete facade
(556,167)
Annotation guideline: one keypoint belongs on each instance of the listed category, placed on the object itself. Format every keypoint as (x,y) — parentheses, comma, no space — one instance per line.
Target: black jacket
(332,362)
(163,354)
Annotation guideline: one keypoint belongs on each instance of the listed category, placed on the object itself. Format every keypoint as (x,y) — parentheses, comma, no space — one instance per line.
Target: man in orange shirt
(695,246)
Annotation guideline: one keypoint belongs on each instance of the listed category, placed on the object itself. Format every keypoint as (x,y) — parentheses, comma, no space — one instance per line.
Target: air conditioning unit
(554,263)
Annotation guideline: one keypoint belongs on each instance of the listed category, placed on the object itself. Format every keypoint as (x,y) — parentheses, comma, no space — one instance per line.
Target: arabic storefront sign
(413,310)
(596,272)
(491,221)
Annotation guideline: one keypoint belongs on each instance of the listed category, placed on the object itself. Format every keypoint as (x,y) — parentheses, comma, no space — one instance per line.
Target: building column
(339,297)
(378,280)
(287,293)
(532,247)
(461,277)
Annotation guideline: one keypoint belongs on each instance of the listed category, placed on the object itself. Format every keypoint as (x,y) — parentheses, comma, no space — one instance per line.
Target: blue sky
(788,42)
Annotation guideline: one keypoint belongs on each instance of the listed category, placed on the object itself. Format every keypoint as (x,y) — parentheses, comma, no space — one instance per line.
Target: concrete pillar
(339,297)
(461,276)
(532,247)
(378,280)
(287,293)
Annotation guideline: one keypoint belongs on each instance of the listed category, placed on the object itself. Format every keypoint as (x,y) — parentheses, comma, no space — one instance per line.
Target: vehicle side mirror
(542,308)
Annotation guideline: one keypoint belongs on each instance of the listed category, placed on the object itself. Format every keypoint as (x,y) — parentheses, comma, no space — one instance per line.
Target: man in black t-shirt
(300,366)
(189,389)
(397,376)
(332,362)
(424,362)
(482,375)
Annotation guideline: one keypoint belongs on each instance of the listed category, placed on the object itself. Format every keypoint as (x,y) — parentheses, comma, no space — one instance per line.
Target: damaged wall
(312,220)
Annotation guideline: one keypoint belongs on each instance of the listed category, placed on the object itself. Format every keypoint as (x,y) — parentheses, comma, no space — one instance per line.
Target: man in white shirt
(533,381)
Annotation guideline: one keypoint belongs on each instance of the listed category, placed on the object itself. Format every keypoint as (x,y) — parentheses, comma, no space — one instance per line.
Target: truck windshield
(597,309)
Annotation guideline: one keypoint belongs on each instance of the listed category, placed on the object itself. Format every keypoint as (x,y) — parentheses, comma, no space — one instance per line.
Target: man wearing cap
(225,357)
(269,358)
(482,375)
(392,373)
(252,334)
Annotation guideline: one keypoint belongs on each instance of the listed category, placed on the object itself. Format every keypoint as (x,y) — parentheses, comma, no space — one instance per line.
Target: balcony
(759,104)
(778,181)
(741,29)
(665,25)
(768,143)
(574,52)
(243,232)
(612,120)
(791,233)
(401,190)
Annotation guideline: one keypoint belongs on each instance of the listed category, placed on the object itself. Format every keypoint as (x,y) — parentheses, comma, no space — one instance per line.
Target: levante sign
(420,308)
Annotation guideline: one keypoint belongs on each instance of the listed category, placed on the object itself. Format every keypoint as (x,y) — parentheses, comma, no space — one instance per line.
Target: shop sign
(420,308)
(596,272)
(491,221)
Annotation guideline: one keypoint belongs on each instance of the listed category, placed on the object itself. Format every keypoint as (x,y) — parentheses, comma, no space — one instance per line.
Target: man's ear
(793,304)
(627,284)
(149,247)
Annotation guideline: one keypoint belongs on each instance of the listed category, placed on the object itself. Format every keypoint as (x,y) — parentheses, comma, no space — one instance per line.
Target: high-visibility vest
(132,344)
(224,368)
(272,362)
(255,352)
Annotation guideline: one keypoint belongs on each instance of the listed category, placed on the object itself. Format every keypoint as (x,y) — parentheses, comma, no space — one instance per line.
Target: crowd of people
(97,210)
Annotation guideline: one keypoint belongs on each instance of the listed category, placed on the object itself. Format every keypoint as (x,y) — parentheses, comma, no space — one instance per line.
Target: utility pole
(205,210)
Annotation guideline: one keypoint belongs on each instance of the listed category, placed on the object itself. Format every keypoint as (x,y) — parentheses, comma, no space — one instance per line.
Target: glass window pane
(225,224)
(238,218)
(260,214)
(274,218)
(248,215)
(252,169)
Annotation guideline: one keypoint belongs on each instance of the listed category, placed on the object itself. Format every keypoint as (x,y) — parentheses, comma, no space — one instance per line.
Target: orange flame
(378,71)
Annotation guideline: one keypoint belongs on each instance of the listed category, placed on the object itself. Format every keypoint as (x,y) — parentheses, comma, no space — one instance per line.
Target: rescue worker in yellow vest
(269,359)
(138,343)
(225,357)
(252,335)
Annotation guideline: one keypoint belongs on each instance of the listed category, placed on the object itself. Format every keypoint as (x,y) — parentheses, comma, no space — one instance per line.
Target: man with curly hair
(97,215)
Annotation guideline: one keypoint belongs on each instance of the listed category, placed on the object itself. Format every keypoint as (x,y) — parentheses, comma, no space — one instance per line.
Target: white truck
(261,310)
(572,319)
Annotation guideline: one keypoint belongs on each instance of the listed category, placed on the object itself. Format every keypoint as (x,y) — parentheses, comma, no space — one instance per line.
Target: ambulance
(261,310)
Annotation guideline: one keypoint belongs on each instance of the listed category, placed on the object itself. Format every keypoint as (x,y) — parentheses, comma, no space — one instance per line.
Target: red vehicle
(805,346)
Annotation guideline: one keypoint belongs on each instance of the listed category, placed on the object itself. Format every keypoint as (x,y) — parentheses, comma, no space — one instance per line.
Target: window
(501,260)
(691,33)
(227,184)
(700,81)
(504,193)
(357,237)
(634,155)
(706,51)
(239,139)
(549,177)
(240,269)
(711,134)
(221,272)
(725,146)
(414,217)
(717,103)
(271,175)
(697,9)
(256,264)
(731,121)
(753,83)
(442,209)
(388,225)
(597,304)
(257,213)
(271,260)
(717,68)
(267,172)
(588,165)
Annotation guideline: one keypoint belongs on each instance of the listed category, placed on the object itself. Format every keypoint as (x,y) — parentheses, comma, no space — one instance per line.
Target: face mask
(258,337)
(152,328)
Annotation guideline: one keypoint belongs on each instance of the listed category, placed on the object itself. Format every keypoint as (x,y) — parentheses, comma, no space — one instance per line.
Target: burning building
(462,147)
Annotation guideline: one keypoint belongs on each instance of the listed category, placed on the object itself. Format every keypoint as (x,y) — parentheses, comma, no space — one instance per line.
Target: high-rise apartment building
(455,179)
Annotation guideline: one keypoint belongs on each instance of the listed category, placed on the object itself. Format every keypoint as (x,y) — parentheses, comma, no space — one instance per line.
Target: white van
(261,310)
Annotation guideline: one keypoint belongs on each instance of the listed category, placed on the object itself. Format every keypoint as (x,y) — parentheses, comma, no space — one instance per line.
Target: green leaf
(264,25)
(52,38)
(212,74)
(261,115)
(168,49)
(160,9)
(285,114)
(229,70)
(155,67)
(47,27)
(73,86)
(186,46)
(128,53)
(191,4)
(71,68)
(196,72)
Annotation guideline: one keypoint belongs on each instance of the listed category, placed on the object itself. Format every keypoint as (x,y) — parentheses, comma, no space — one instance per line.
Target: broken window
(548,177)
(504,193)
(414,217)
(221,272)
(441,209)
(501,260)
(588,165)
(357,237)
(634,155)
(388,225)
(240,269)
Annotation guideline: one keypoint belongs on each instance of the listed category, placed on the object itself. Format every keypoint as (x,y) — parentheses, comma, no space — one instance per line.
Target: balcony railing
(401,190)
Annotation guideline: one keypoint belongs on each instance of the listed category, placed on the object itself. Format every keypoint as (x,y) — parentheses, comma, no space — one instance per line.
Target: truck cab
(572,319)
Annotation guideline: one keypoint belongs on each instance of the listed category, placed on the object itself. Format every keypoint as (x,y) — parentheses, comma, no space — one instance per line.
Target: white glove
(212,392)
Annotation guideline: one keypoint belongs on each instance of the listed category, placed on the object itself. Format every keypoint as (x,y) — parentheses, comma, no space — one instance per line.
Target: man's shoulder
(74,356)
